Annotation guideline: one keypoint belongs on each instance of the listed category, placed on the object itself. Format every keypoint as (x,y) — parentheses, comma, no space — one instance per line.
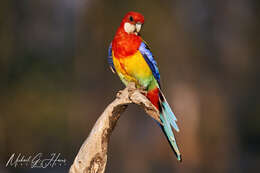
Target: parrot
(131,58)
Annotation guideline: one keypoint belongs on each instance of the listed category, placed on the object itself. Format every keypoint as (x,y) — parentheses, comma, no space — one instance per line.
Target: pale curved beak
(138,27)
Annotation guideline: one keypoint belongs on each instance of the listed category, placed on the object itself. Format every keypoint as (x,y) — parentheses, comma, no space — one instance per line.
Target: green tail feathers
(168,121)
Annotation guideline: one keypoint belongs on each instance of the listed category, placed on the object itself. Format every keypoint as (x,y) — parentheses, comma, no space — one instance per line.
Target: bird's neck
(124,44)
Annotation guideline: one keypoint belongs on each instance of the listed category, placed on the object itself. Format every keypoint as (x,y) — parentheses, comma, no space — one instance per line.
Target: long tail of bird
(168,119)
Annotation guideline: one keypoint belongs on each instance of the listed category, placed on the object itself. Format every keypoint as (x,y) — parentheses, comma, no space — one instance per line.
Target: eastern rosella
(130,57)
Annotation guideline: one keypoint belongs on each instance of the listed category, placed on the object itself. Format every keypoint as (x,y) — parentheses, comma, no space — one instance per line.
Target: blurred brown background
(55,82)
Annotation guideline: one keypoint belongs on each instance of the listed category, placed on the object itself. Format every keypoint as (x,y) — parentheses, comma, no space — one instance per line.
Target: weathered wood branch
(92,156)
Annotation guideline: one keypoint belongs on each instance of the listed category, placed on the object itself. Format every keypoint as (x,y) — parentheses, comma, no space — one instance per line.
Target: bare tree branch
(92,156)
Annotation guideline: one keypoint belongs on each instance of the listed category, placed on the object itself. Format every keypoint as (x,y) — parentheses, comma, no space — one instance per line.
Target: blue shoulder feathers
(147,54)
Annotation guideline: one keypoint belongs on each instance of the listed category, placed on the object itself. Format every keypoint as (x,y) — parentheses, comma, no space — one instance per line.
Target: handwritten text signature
(36,161)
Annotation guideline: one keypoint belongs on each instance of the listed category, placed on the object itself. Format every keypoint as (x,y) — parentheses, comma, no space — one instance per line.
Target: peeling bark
(92,156)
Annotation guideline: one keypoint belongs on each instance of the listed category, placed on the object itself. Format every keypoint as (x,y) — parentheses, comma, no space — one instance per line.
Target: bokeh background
(55,82)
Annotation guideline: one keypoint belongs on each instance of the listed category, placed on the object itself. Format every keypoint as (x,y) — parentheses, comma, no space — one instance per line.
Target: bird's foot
(142,90)
(118,94)
(131,87)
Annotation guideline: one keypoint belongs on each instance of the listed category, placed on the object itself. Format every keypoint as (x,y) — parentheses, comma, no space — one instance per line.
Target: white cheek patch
(129,28)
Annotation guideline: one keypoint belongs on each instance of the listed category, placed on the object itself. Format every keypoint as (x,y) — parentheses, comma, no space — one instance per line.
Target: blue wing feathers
(148,56)
(110,59)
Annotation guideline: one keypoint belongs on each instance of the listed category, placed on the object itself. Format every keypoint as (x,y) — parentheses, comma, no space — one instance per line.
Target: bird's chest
(125,45)
(133,67)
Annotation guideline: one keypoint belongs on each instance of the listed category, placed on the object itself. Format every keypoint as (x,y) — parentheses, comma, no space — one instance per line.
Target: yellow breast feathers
(133,69)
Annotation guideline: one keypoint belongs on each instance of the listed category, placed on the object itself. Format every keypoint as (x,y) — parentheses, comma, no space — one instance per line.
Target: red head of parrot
(127,40)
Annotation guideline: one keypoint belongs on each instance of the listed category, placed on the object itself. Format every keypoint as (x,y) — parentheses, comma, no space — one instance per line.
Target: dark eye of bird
(131,19)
